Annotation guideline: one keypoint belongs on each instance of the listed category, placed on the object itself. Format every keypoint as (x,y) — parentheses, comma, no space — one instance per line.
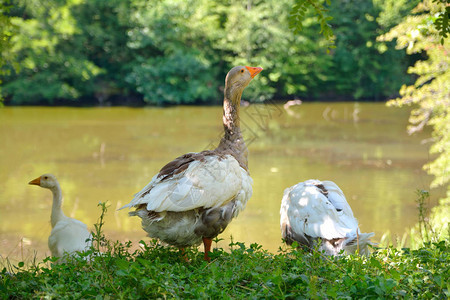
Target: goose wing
(337,198)
(310,212)
(206,179)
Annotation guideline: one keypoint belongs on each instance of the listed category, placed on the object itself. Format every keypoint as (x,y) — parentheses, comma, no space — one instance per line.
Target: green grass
(155,271)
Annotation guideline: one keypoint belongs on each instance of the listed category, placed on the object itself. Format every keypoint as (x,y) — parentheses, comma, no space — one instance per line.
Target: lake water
(108,154)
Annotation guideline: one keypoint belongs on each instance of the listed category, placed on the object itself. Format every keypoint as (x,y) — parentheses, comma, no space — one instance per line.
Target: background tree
(174,64)
(50,68)
(7,59)
(83,52)
(430,94)
(300,7)
(363,67)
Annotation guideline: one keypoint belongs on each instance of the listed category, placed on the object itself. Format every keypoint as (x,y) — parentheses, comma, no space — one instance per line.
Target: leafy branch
(300,8)
(442,23)
(298,13)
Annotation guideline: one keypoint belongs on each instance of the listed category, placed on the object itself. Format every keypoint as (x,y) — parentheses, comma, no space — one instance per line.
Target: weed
(425,228)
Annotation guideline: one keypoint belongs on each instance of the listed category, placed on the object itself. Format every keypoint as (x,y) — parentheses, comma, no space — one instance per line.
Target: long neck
(231,122)
(232,141)
(57,213)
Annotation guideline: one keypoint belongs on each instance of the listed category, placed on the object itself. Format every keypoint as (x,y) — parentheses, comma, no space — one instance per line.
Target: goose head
(237,80)
(47,181)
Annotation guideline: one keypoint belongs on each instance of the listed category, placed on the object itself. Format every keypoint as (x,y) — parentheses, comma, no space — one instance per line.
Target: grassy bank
(155,271)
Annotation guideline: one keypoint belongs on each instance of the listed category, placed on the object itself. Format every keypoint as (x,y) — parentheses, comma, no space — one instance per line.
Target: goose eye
(242,70)
(45,177)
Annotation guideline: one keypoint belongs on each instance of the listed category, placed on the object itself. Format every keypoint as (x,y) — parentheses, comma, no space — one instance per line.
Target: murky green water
(108,154)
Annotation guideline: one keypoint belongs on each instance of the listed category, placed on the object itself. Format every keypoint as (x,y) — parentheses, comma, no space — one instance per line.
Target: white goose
(68,235)
(314,211)
(195,196)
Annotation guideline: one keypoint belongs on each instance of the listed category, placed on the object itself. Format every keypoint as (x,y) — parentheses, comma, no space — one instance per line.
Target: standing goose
(314,211)
(68,235)
(194,197)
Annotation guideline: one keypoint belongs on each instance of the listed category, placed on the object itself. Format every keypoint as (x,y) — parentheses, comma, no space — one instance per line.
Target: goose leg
(207,244)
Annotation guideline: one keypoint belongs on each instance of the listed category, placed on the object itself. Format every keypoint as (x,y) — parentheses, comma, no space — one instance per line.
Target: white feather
(310,213)
(208,183)
(68,235)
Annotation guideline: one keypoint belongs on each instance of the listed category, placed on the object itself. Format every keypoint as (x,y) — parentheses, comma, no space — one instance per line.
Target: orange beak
(254,71)
(36,181)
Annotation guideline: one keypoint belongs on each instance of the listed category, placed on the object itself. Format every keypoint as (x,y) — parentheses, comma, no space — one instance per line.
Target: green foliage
(300,7)
(86,52)
(113,269)
(50,67)
(425,229)
(430,94)
(177,69)
(298,14)
(173,79)
(259,35)
(155,271)
(98,239)
(392,12)
(6,55)
(442,23)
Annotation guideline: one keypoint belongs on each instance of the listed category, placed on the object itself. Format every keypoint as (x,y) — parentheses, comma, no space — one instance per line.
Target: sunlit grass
(111,268)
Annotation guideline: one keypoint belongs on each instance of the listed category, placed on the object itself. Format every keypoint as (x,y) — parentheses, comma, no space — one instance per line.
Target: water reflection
(108,154)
